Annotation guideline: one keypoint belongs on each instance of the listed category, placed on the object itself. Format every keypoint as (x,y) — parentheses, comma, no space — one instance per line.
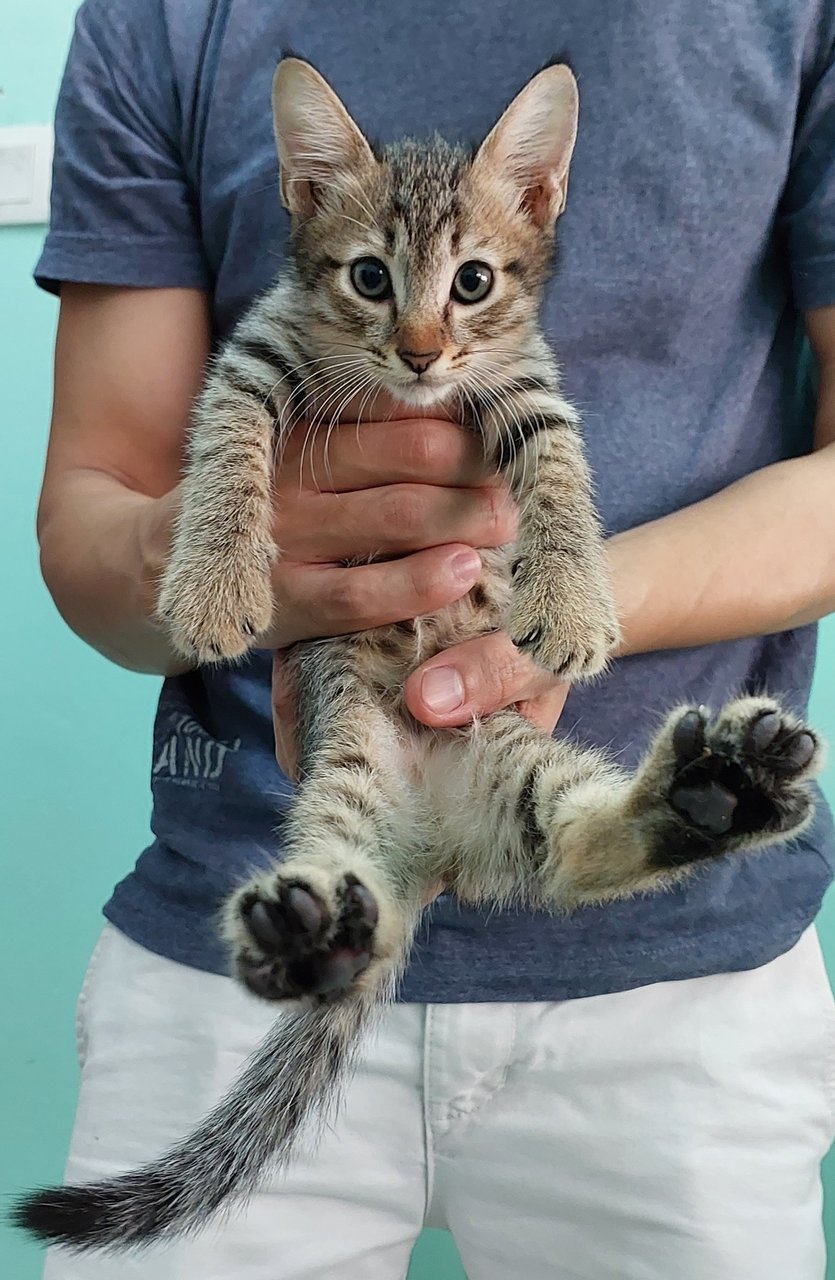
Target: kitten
(414,283)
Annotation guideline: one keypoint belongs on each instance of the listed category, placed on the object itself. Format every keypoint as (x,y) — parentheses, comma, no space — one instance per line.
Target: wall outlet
(25,173)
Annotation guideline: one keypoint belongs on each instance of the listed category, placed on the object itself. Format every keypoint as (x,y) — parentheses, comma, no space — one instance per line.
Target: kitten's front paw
(215,611)
(569,632)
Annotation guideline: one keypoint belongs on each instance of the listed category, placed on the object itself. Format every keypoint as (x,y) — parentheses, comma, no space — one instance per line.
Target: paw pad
(297,945)
(710,807)
(739,776)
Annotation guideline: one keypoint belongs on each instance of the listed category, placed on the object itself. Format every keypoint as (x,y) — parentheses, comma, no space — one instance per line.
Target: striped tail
(294,1075)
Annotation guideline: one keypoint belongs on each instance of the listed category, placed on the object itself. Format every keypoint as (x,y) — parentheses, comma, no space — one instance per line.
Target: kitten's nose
(419,361)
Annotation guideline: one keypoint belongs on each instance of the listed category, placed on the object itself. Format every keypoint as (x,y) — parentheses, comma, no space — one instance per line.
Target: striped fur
(496,811)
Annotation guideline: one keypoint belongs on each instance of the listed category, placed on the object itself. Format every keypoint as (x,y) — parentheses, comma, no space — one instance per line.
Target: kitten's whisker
(493,381)
(355,390)
(321,378)
(371,387)
(299,406)
(318,410)
(486,391)
(353,393)
(281,419)
(353,384)
(474,415)
(518,483)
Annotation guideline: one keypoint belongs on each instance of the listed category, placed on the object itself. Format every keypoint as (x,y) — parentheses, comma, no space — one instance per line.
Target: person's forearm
(102,549)
(757,558)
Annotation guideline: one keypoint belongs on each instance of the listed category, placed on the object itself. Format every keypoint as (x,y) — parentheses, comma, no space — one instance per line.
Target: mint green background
(75,735)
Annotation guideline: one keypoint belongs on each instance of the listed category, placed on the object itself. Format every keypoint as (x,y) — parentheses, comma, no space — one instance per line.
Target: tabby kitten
(414,284)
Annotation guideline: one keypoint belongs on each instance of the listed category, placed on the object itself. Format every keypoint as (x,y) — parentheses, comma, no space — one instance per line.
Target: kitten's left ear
(529,149)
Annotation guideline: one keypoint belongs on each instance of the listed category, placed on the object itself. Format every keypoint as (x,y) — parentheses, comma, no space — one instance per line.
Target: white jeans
(673,1131)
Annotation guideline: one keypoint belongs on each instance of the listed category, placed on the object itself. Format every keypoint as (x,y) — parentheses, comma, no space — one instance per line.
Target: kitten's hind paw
(296,935)
(739,781)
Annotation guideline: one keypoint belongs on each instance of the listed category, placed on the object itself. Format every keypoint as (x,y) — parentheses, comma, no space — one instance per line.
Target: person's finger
(545,710)
(284,717)
(473,679)
(394,520)
(326,600)
(432,892)
(350,456)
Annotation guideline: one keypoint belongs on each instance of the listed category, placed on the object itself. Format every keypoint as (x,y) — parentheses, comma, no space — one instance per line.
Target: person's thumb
(473,679)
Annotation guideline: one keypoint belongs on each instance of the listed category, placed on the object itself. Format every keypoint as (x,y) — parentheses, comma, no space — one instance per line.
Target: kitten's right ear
(320,148)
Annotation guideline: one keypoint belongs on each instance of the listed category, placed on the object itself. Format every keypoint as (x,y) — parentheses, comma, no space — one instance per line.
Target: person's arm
(128,365)
(756,558)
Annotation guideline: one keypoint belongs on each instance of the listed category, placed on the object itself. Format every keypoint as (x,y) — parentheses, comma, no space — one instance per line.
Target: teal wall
(74,798)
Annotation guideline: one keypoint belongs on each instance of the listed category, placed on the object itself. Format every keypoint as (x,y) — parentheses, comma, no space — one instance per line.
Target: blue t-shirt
(700,225)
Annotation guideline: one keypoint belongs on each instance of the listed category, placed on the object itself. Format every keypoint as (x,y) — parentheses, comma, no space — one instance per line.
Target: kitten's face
(423,264)
(431,280)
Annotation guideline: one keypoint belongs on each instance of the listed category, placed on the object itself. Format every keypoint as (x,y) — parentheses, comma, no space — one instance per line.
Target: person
(639,1090)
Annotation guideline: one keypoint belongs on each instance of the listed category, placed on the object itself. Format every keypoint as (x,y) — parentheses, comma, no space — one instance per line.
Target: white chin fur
(422,393)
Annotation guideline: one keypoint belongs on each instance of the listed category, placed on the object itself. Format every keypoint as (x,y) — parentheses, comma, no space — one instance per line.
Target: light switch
(25,173)
(17,174)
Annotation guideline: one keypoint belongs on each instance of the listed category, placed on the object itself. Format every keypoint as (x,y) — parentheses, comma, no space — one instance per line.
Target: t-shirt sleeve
(122,211)
(808,207)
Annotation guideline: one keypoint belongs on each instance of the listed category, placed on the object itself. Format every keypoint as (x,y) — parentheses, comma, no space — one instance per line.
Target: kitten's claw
(763,731)
(569,652)
(569,633)
(265,928)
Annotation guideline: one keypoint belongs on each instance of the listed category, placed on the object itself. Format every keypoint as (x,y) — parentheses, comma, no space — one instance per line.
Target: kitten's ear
(319,146)
(530,148)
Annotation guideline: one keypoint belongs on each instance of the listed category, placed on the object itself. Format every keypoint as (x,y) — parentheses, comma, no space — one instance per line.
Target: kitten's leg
(560,825)
(216,596)
(561,611)
(339,910)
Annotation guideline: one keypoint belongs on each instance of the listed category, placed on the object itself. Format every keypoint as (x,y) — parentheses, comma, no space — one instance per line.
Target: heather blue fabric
(701,222)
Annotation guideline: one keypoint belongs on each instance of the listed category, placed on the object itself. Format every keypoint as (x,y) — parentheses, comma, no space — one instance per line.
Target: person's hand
(416,495)
(419,491)
(481,676)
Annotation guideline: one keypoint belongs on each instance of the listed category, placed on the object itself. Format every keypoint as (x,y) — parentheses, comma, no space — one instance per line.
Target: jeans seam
(82,1035)
(825,1001)
(828,1063)
(429,1140)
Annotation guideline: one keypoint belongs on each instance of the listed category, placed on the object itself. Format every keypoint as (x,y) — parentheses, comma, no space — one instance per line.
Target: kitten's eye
(371,278)
(472,282)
